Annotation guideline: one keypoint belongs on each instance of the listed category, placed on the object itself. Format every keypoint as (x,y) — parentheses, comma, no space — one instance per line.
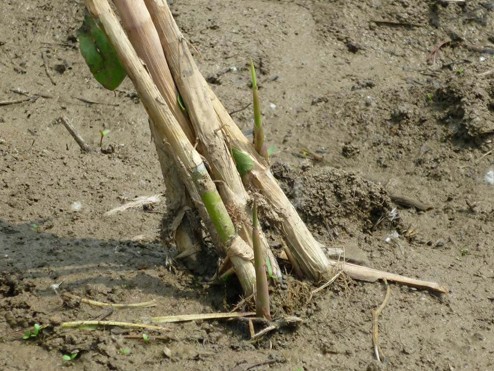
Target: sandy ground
(396,97)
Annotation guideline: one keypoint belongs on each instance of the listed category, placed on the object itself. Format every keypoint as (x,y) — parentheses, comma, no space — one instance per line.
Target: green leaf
(37,329)
(105,132)
(243,161)
(99,54)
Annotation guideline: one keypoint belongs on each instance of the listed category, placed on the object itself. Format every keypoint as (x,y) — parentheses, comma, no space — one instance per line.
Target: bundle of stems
(156,57)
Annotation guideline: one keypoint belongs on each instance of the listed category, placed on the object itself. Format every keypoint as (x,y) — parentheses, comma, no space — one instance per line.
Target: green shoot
(260,258)
(70,357)
(124,351)
(146,338)
(243,161)
(32,333)
(103,133)
(258,129)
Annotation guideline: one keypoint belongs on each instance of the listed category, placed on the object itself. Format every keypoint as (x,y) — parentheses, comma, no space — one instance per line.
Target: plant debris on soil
(382,113)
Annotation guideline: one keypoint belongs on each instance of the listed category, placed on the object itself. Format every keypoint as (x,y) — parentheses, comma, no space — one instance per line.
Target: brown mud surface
(395,98)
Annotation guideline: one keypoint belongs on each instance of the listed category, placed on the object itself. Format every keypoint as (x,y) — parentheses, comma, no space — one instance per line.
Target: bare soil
(394,98)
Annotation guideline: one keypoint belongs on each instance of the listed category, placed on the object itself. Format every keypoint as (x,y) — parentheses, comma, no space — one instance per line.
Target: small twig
(397,24)
(375,324)
(486,73)
(135,203)
(84,100)
(242,302)
(47,70)
(75,135)
(320,288)
(146,304)
(10,102)
(199,317)
(276,325)
(33,97)
(107,313)
(240,109)
(82,324)
(139,337)
(432,57)
(484,155)
(265,363)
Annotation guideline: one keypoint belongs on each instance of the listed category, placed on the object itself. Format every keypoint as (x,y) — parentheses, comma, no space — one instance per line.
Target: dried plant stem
(200,317)
(82,324)
(375,323)
(205,121)
(145,304)
(262,290)
(191,167)
(82,144)
(362,273)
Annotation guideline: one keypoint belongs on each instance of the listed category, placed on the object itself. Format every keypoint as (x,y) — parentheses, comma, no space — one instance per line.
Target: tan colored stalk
(194,89)
(145,40)
(212,145)
(190,164)
(262,289)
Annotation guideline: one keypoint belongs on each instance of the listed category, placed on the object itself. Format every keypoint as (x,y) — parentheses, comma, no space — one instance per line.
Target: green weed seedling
(146,338)
(103,134)
(32,333)
(70,357)
(124,351)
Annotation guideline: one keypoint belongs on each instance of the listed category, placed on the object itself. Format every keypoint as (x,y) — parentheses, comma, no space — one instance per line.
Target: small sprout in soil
(429,97)
(36,228)
(146,338)
(460,71)
(103,133)
(70,357)
(124,351)
(32,333)
(464,252)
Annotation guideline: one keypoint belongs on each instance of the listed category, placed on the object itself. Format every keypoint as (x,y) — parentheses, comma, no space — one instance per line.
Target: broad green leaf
(243,161)
(99,54)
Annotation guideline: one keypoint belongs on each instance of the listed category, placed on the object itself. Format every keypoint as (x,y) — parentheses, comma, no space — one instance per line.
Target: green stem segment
(258,128)
(218,215)
(262,290)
